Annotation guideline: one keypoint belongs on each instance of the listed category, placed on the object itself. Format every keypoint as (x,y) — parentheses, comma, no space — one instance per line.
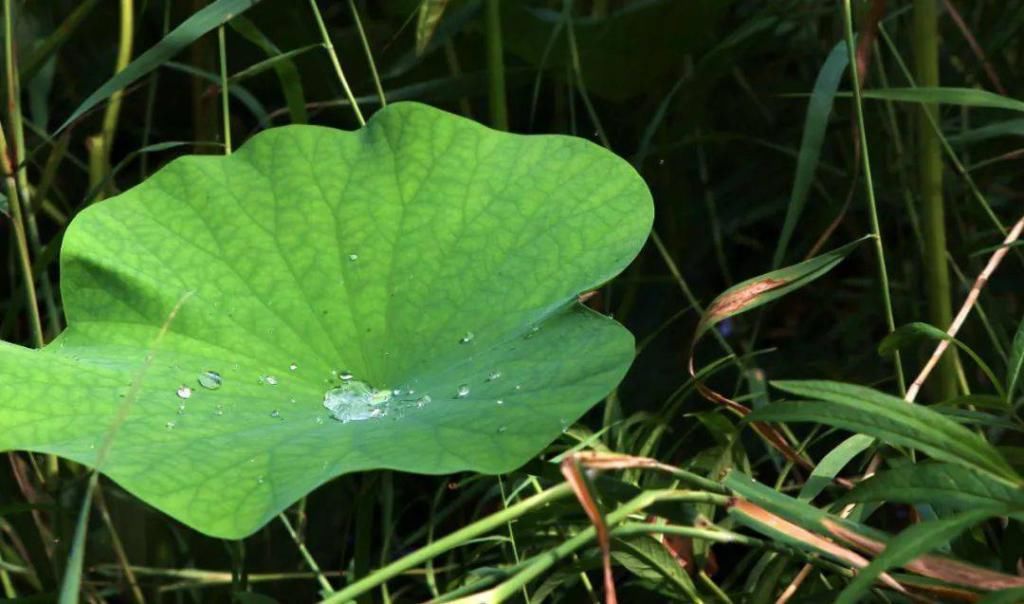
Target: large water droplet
(463,391)
(184,391)
(466,339)
(355,401)
(210,380)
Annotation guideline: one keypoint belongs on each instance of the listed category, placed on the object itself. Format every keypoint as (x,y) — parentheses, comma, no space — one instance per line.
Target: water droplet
(169,425)
(291,400)
(319,419)
(210,380)
(353,257)
(565,425)
(396,391)
(661,162)
(466,339)
(410,391)
(219,410)
(293,367)
(184,391)
(423,401)
(493,375)
(181,409)
(275,414)
(519,386)
(268,379)
(259,480)
(502,429)
(463,391)
(500,402)
(356,401)
(345,376)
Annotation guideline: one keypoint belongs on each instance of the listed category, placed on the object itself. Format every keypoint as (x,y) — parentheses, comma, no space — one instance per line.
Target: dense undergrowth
(814,235)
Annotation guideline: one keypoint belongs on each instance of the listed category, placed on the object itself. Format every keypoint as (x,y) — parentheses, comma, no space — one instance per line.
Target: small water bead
(275,414)
(345,376)
(410,392)
(184,392)
(169,425)
(268,379)
(319,419)
(218,410)
(292,401)
(181,409)
(466,339)
(519,387)
(496,374)
(211,380)
(353,257)
(565,425)
(463,391)
(502,429)
(293,367)
(396,391)
(499,402)
(259,480)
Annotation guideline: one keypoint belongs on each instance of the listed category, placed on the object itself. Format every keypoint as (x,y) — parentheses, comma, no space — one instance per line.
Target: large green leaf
(424,253)
(943,483)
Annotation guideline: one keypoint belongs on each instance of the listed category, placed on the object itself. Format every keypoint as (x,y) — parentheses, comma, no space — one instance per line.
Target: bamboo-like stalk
(929,174)
(100,145)
(495,65)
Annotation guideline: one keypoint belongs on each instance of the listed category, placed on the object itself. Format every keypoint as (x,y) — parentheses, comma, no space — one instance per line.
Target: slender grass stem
(449,542)
(325,585)
(869,190)
(495,65)
(329,46)
(100,145)
(224,92)
(369,54)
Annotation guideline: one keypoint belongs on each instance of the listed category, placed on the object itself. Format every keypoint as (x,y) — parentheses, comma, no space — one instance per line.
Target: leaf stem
(325,585)
(369,53)
(224,106)
(335,62)
(869,190)
(495,65)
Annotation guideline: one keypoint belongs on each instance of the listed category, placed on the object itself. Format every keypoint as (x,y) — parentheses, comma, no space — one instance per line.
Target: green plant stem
(869,190)
(546,560)
(929,172)
(436,548)
(329,46)
(100,145)
(325,585)
(117,546)
(225,108)
(369,54)
(495,65)
(13,194)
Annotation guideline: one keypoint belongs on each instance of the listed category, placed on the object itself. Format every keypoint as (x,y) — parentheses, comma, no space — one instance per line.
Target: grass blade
(203,21)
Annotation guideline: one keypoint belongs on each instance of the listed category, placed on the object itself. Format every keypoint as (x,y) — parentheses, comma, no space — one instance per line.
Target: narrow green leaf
(71,584)
(833,463)
(888,418)
(819,108)
(204,20)
(936,482)
(968,97)
(1015,364)
(1014,127)
(1014,595)
(913,542)
(770,286)
(912,332)
(287,72)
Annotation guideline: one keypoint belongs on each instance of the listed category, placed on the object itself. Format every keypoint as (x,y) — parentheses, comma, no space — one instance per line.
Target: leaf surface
(424,254)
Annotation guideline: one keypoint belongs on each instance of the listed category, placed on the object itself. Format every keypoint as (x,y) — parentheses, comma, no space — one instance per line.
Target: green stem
(883,273)
(325,585)
(335,62)
(100,145)
(436,548)
(13,196)
(224,107)
(369,54)
(495,65)
(929,172)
